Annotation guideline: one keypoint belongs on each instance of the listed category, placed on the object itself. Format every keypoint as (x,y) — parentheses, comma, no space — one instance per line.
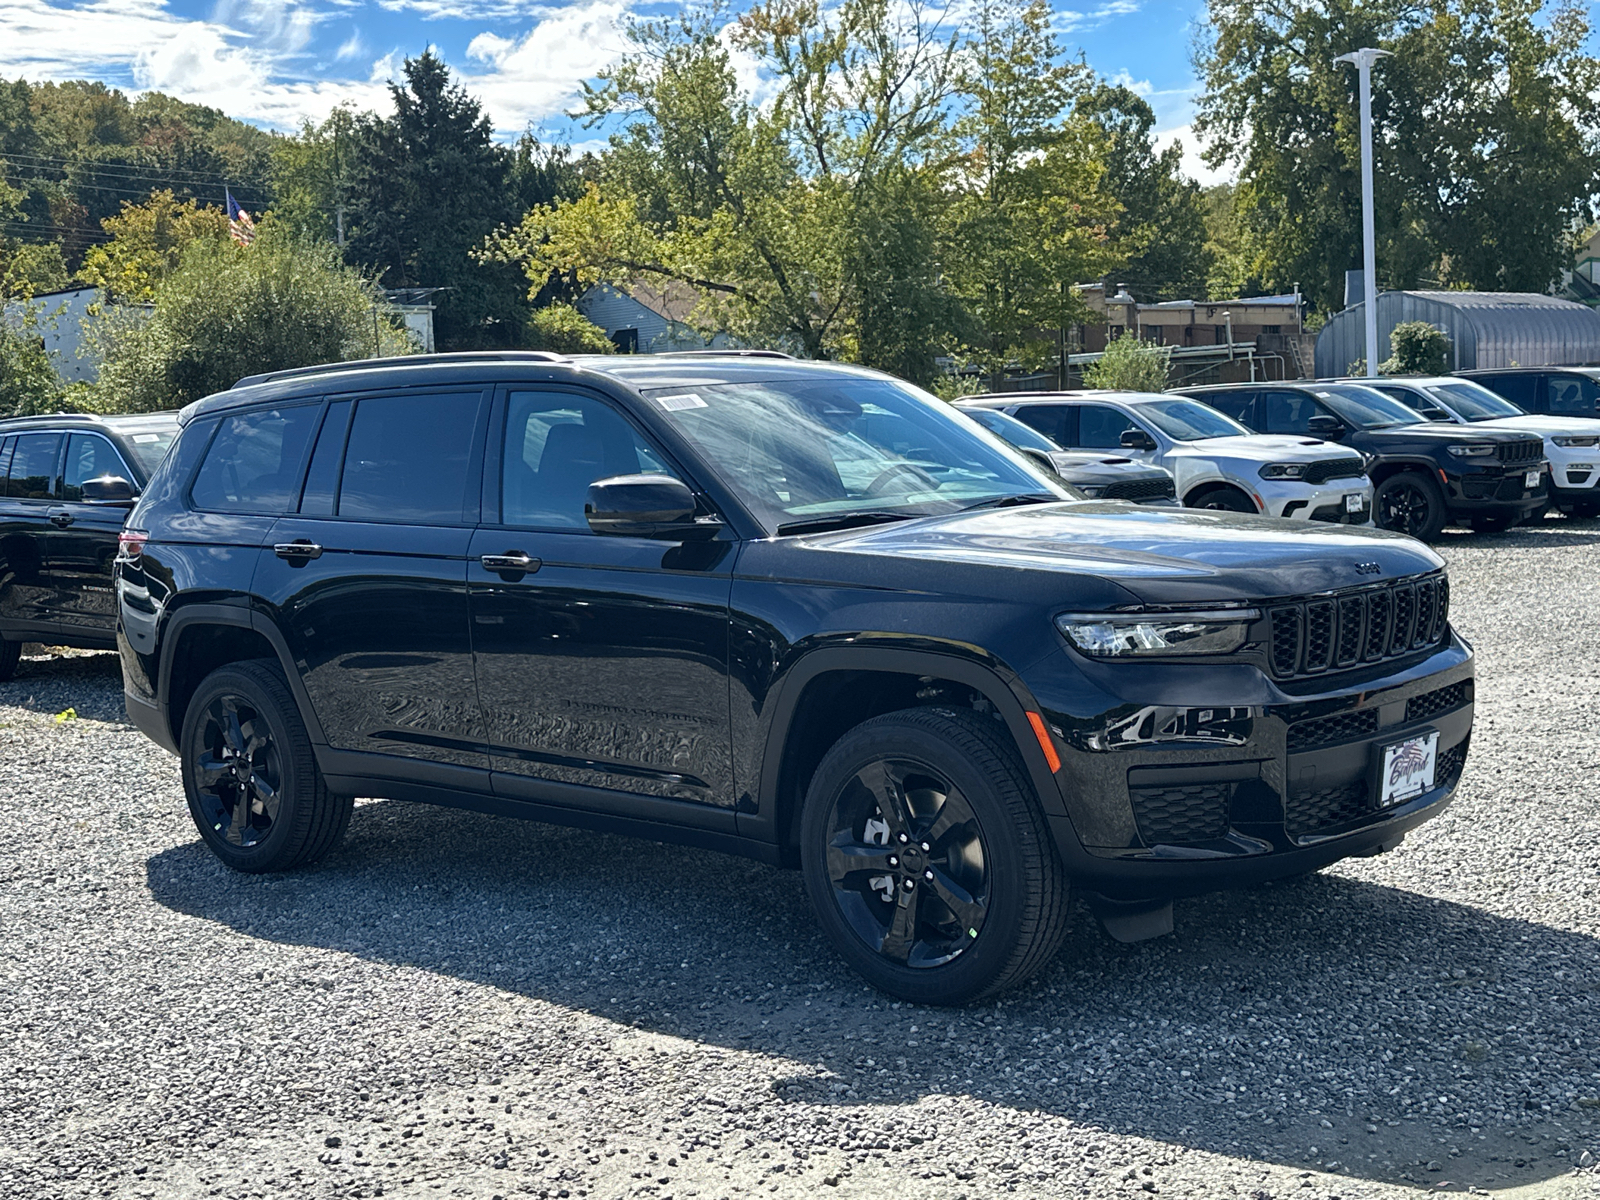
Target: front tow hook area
(1132,921)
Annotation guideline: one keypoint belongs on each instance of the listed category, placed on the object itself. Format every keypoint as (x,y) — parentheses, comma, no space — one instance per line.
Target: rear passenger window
(32,475)
(407,458)
(322,478)
(1052,420)
(89,456)
(1519,389)
(1238,405)
(253,465)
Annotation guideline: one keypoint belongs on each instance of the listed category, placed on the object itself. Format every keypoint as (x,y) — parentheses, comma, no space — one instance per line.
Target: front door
(27,601)
(602,662)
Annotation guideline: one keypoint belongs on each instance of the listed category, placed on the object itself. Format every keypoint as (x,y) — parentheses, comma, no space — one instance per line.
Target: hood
(1161,556)
(1265,448)
(1544,426)
(1443,431)
(1098,468)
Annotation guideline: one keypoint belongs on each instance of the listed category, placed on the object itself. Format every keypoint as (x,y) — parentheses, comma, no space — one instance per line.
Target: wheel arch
(1385,470)
(832,690)
(1217,485)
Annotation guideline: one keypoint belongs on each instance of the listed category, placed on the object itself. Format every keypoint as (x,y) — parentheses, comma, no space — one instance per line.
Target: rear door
(1240,405)
(82,539)
(27,603)
(602,662)
(367,580)
(1058,422)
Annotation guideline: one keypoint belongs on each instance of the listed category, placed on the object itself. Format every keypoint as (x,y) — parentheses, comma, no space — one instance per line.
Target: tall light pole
(1362,60)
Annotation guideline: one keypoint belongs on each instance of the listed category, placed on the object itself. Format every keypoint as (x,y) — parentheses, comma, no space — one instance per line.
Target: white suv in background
(1572,444)
(1215,461)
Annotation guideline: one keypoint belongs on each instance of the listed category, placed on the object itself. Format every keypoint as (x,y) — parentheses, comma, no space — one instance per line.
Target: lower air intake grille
(1190,812)
(1307,812)
(1431,704)
(1325,731)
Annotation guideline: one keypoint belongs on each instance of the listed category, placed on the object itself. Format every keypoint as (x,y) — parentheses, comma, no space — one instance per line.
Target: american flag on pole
(240,225)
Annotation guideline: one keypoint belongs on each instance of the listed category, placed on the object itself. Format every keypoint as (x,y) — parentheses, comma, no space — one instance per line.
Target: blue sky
(276,62)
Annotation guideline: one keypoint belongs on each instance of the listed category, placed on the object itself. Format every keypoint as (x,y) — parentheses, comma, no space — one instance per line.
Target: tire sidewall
(972,971)
(272,852)
(1429,490)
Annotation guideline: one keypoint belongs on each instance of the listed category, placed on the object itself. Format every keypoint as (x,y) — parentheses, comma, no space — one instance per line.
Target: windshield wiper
(1013,501)
(843,521)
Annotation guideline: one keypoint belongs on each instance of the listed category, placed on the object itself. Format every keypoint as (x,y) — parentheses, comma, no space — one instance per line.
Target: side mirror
(1136,439)
(646,506)
(1324,426)
(107,489)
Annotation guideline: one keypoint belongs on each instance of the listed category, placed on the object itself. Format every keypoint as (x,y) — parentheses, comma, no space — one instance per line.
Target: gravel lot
(455,1005)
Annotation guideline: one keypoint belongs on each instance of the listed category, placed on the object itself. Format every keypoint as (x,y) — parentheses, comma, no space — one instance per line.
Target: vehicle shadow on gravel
(1327,1022)
(53,680)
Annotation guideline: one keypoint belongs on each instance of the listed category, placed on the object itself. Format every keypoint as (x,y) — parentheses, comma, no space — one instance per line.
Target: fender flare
(990,679)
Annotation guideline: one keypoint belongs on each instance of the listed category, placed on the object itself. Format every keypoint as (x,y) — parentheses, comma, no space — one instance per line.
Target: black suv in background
(717,600)
(66,484)
(1425,475)
(1552,391)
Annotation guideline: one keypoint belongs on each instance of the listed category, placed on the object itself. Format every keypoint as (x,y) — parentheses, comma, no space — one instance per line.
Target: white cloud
(1139,87)
(1193,166)
(539,75)
(351,47)
(1069,20)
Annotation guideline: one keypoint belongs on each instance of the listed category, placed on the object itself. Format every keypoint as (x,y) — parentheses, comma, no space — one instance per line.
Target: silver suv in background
(1095,473)
(1215,461)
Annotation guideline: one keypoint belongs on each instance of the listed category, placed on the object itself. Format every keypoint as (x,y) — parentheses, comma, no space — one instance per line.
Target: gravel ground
(455,1005)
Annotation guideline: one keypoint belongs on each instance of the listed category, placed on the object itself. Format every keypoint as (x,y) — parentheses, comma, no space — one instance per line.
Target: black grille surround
(1520,451)
(1139,490)
(1356,627)
(1324,469)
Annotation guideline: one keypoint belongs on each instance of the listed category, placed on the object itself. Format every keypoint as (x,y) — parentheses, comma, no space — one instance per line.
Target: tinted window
(1519,389)
(253,464)
(1473,401)
(1012,430)
(1364,407)
(1189,420)
(33,466)
(1238,405)
(407,458)
(1052,420)
(1571,395)
(557,444)
(1101,428)
(1416,401)
(322,478)
(89,456)
(150,446)
(1289,412)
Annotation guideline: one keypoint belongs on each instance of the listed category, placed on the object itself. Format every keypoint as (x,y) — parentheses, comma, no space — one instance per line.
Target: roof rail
(725,354)
(406,360)
(59,416)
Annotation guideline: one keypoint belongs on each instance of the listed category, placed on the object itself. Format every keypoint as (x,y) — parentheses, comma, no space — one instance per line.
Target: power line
(139,193)
(61,163)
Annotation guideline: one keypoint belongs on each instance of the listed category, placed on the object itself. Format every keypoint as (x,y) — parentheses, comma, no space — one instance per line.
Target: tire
(1585,511)
(1409,502)
(10,656)
(245,714)
(1492,524)
(1225,499)
(979,911)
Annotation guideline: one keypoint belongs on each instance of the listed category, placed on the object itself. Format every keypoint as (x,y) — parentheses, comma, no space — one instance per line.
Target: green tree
(28,381)
(1417,348)
(147,242)
(228,311)
(565,330)
(1129,365)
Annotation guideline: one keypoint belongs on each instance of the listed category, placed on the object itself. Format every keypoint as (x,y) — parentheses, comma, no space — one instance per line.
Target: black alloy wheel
(927,858)
(10,656)
(1224,499)
(1409,503)
(250,775)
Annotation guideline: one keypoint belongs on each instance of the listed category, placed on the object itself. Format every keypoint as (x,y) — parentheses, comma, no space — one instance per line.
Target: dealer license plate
(1531,479)
(1407,768)
(1353,502)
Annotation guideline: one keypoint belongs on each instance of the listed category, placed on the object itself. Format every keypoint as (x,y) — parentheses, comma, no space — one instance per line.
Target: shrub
(562,329)
(1417,348)
(1129,365)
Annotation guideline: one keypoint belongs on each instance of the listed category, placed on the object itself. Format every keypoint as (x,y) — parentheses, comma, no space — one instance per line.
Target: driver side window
(1290,412)
(1101,428)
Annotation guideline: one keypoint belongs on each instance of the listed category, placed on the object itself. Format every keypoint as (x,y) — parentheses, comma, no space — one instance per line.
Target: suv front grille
(1190,812)
(1334,468)
(1520,452)
(1431,704)
(1324,731)
(1139,490)
(1357,626)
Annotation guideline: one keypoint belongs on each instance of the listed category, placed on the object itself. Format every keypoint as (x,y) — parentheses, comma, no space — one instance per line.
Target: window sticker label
(146,437)
(681,401)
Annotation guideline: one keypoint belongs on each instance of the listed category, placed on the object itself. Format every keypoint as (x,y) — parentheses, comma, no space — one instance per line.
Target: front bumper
(1574,475)
(1316,502)
(1496,491)
(1180,797)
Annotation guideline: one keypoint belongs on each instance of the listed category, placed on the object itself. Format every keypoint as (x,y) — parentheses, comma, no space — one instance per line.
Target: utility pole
(1362,60)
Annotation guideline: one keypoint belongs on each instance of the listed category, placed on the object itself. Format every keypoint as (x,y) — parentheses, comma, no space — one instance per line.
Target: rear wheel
(10,656)
(1224,498)
(252,782)
(1492,524)
(1409,503)
(927,860)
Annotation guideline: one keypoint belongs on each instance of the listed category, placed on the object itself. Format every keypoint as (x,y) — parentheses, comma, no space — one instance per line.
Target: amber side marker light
(1051,758)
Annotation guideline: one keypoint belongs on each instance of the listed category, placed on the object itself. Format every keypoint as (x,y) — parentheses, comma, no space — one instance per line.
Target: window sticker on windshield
(681,401)
(147,437)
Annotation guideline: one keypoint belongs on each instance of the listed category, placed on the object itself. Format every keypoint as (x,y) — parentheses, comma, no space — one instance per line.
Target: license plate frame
(1530,479)
(1405,768)
(1354,502)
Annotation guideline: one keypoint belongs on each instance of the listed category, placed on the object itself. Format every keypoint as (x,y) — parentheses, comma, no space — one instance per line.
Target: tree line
(896,191)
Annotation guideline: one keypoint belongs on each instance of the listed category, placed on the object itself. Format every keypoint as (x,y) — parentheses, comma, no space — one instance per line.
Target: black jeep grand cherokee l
(789,610)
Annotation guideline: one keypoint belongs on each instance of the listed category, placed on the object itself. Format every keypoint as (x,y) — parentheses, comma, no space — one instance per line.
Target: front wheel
(250,776)
(927,859)
(1224,499)
(10,656)
(1409,503)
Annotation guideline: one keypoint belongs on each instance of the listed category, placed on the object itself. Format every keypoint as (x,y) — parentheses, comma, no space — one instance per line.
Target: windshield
(1366,408)
(1011,429)
(1189,420)
(150,444)
(1472,401)
(801,450)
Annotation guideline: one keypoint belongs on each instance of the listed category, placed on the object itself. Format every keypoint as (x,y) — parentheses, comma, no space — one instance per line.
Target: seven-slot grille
(1139,490)
(1348,467)
(1520,452)
(1357,626)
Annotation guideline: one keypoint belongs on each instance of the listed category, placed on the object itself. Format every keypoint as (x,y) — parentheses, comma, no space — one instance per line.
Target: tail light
(130,544)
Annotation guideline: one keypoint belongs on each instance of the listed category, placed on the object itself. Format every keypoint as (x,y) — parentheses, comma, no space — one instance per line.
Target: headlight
(1098,489)
(1283,471)
(1136,635)
(1576,439)
(1472,451)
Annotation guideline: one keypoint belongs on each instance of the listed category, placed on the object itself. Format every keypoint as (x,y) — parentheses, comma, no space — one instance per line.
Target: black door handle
(297,553)
(61,520)
(512,565)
